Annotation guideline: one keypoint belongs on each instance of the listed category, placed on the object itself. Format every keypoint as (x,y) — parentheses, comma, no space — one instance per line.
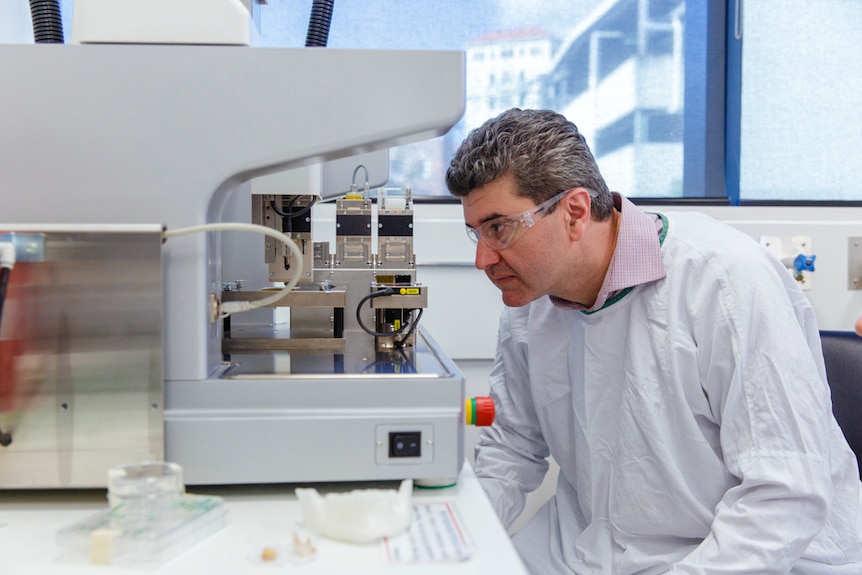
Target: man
(667,363)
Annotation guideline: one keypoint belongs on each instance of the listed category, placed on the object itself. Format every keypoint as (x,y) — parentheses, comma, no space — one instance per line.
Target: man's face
(523,270)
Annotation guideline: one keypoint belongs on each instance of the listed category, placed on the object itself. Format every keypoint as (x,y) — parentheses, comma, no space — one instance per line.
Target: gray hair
(544,152)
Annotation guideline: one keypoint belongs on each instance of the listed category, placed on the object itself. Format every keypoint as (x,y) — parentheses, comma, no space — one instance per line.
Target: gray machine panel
(81,376)
(282,417)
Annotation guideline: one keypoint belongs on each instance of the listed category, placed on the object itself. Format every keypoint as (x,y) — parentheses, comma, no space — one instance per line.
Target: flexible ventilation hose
(318,24)
(47,21)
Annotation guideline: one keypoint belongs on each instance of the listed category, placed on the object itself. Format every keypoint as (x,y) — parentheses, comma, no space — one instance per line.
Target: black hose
(5,438)
(47,21)
(4,282)
(318,24)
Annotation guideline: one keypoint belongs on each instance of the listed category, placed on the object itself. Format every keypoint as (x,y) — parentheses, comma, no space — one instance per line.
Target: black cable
(5,438)
(301,212)
(412,325)
(372,295)
(406,359)
(290,214)
(400,343)
(4,281)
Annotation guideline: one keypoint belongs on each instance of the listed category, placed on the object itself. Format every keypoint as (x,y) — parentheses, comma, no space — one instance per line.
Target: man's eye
(496,228)
(504,230)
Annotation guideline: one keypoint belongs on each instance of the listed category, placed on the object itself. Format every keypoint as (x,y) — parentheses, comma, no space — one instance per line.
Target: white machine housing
(125,135)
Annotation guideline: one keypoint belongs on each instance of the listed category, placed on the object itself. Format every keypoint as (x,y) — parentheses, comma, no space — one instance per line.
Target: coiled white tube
(227,308)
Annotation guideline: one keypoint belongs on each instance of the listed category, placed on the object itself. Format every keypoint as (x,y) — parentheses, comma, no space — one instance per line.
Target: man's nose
(485,256)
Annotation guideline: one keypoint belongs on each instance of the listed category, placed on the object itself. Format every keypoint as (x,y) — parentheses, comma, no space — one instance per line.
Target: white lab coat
(691,421)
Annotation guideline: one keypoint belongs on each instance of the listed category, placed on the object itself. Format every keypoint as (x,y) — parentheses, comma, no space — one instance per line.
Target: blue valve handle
(804,263)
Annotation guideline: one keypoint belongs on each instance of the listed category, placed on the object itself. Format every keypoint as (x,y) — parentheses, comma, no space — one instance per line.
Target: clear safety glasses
(499,233)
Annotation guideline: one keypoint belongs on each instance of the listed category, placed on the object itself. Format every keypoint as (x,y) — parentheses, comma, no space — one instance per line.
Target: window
(617,69)
(799,116)
(730,100)
(642,79)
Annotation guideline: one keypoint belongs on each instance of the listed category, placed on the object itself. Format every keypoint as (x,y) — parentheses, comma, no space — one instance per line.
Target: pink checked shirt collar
(636,259)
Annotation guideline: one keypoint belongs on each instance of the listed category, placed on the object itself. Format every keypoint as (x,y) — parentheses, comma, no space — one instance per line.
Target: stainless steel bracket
(29,247)
(854,263)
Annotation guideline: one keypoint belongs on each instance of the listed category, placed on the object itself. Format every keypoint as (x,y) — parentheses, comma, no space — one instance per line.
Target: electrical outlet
(786,249)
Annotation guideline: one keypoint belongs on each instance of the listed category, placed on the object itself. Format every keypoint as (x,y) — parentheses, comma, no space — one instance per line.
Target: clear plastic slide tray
(110,537)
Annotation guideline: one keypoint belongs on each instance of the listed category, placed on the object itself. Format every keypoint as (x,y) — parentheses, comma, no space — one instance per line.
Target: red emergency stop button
(479,411)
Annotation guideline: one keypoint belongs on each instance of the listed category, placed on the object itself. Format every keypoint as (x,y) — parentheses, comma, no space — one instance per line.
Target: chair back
(842,354)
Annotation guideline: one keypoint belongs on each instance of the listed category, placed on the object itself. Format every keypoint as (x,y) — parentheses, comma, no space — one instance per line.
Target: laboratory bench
(453,530)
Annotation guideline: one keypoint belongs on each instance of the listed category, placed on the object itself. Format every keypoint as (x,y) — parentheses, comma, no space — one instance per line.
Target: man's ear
(576,212)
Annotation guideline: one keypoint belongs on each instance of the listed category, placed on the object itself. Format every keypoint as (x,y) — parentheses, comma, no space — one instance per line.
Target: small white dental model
(358,516)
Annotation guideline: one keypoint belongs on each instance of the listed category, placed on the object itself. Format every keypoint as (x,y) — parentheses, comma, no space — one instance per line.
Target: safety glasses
(501,232)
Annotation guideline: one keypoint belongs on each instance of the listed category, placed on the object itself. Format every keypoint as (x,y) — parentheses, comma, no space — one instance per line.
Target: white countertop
(30,521)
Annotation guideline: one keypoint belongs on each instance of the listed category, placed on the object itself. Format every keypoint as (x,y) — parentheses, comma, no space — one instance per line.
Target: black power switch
(405,444)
